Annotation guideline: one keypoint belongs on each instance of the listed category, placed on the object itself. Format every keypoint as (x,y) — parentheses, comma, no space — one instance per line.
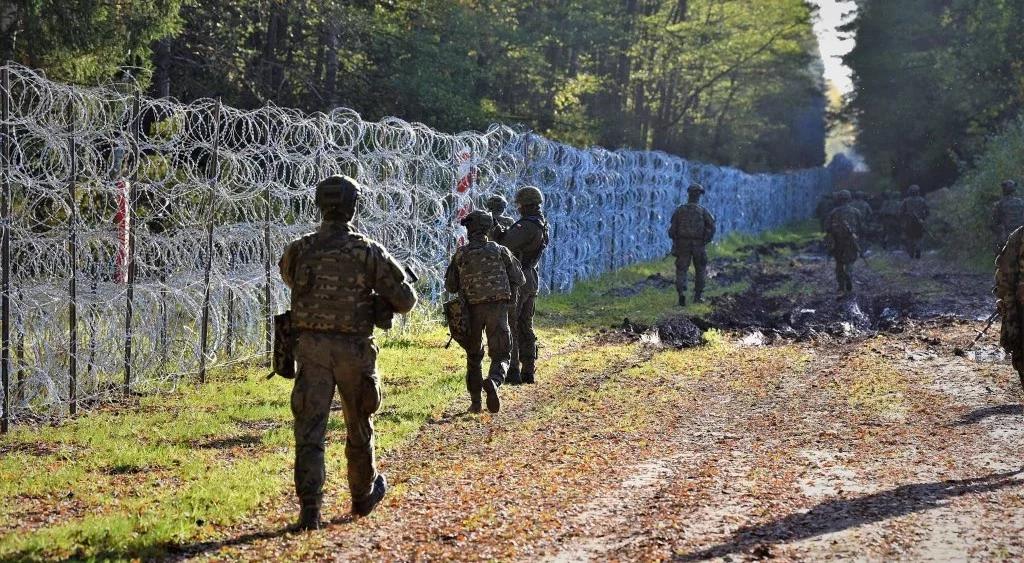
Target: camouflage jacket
(1008,291)
(484,272)
(502,223)
(1008,213)
(527,239)
(864,208)
(691,221)
(915,207)
(335,275)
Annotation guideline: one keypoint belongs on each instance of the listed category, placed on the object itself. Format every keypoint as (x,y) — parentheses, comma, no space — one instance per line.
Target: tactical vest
(332,291)
(690,223)
(483,277)
(1011,212)
(916,206)
(531,257)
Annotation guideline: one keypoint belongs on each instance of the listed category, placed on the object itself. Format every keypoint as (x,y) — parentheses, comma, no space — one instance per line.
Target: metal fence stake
(73,260)
(204,329)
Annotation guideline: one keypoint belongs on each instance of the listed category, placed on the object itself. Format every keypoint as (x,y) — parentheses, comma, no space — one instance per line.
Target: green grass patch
(160,473)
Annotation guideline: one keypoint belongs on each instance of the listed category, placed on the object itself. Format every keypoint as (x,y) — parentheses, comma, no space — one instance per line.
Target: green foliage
(727,81)
(934,79)
(964,216)
(82,41)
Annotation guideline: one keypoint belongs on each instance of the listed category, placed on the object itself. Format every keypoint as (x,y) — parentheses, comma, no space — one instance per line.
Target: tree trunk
(162,62)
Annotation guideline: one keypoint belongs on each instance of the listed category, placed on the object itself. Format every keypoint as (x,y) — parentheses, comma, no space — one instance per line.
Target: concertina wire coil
(162,173)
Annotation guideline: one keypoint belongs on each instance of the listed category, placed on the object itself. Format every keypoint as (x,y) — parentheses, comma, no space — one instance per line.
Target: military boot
(493,400)
(365,506)
(474,403)
(513,377)
(682,301)
(309,518)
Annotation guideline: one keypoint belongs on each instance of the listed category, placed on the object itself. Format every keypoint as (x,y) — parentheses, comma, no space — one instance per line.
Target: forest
(722,81)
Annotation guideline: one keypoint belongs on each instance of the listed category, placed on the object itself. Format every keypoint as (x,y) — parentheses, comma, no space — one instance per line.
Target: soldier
(1008,214)
(527,239)
(497,206)
(488,278)
(843,227)
(692,228)
(913,213)
(1009,290)
(889,216)
(338,278)
(860,202)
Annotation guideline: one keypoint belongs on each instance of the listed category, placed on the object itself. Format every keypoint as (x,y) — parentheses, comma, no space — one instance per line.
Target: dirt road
(806,428)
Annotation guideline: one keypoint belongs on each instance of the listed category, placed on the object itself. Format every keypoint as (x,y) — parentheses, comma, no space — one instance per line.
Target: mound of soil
(677,332)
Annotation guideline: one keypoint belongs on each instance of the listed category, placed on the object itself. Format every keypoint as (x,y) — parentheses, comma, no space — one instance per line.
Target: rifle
(988,324)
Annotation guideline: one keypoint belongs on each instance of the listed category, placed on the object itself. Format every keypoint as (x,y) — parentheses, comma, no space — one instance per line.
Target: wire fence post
(129,309)
(73,263)
(204,329)
(267,304)
(5,252)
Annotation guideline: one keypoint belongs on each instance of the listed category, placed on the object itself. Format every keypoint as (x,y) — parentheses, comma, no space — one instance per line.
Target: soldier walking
(914,212)
(1008,214)
(890,219)
(1010,293)
(526,238)
(338,279)
(843,227)
(692,228)
(488,278)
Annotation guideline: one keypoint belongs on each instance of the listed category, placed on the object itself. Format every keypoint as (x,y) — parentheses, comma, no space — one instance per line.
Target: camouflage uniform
(488,278)
(691,229)
(1008,214)
(843,227)
(336,275)
(527,239)
(913,212)
(1009,290)
(890,220)
(502,223)
(866,214)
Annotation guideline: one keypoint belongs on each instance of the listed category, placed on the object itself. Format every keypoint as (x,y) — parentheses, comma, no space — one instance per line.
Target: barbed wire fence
(141,235)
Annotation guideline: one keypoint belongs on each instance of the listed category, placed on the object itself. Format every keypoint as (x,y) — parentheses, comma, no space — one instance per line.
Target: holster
(284,346)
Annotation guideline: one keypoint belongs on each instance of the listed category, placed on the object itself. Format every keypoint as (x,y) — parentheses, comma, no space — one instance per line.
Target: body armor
(690,224)
(482,274)
(332,290)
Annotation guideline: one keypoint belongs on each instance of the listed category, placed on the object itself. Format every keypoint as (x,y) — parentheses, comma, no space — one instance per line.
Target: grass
(134,480)
(131,480)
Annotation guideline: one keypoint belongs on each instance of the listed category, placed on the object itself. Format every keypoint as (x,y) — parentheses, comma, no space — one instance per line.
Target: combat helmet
(496,203)
(477,221)
(843,196)
(337,192)
(1009,186)
(529,196)
(914,190)
(695,189)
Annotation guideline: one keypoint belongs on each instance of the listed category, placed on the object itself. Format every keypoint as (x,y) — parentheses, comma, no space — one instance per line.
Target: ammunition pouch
(284,346)
(456,315)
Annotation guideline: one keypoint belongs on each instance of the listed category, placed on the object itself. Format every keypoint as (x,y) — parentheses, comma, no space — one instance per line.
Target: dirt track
(849,430)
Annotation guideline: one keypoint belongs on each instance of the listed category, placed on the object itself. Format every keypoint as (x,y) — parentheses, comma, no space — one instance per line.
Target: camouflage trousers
(490,319)
(844,275)
(913,245)
(687,251)
(327,362)
(524,339)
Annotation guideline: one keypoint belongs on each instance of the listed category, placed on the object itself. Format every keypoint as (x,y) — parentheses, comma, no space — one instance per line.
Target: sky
(831,15)
(833,44)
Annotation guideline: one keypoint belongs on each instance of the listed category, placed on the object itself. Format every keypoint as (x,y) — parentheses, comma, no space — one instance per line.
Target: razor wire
(179,211)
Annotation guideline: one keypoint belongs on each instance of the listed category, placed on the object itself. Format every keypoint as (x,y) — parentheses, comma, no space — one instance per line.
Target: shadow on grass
(837,515)
(981,414)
